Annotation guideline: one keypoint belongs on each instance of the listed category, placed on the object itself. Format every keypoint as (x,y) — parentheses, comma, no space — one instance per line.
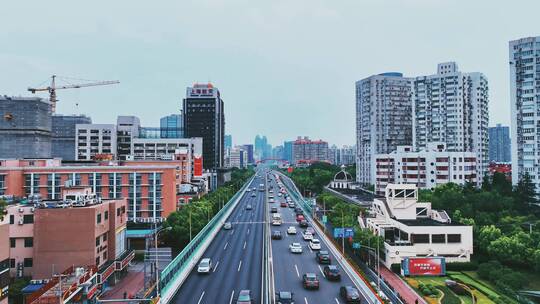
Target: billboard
(428,266)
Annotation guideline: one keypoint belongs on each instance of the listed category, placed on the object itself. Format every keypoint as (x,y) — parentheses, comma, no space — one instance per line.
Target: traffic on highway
(304,269)
(267,245)
(230,270)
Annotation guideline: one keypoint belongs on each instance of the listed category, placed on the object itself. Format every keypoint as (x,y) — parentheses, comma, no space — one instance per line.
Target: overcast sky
(284,67)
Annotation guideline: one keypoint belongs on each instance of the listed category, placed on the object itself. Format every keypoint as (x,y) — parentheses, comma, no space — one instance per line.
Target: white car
(295,248)
(315,244)
(307,236)
(291,230)
(247,190)
(205,266)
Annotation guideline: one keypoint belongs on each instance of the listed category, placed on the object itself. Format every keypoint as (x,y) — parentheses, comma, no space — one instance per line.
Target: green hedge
(396,268)
(462,266)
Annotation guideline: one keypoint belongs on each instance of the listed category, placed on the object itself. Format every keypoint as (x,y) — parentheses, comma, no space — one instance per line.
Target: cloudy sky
(284,67)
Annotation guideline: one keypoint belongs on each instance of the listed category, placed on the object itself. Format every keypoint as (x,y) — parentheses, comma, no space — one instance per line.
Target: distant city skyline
(306,87)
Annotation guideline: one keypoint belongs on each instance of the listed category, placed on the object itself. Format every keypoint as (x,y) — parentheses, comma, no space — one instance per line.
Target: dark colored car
(331,272)
(310,281)
(323,257)
(303,223)
(273,210)
(283,204)
(349,294)
(284,297)
(276,235)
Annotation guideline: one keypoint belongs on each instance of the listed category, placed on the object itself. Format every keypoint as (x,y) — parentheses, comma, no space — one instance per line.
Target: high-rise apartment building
(204,117)
(288,151)
(64,135)
(25,127)
(499,144)
(172,126)
(452,107)
(383,119)
(524,58)
(307,151)
(345,155)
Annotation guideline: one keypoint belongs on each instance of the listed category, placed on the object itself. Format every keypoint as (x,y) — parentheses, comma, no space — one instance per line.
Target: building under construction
(25,127)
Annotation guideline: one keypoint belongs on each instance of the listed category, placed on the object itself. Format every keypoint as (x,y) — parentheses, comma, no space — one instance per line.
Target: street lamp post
(156,268)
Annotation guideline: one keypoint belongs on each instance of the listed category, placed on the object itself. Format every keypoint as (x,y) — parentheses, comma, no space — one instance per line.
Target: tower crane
(53,87)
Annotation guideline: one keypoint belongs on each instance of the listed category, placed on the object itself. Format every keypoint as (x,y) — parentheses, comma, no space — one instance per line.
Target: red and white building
(426,168)
(151,187)
(306,151)
(413,229)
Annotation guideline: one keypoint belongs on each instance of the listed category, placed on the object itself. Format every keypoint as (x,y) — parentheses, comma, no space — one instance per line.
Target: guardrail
(308,208)
(174,274)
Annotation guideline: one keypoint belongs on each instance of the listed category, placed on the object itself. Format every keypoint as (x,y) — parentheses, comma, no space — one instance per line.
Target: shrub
(449,296)
(428,290)
(396,268)
(462,266)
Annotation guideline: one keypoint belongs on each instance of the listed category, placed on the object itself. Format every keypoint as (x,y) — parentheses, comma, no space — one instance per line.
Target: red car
(283,204)
(300,218)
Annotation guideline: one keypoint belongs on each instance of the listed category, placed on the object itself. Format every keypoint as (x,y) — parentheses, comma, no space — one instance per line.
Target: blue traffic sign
(338,232)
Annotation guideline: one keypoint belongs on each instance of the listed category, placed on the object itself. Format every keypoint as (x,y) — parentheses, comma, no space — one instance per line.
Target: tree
(487,235)
(525,192)
(3,206)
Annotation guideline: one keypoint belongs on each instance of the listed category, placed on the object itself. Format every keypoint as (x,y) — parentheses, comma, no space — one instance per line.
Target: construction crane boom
(53,87)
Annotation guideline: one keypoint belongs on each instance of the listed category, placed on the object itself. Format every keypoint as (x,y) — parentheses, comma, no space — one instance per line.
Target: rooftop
(427,222)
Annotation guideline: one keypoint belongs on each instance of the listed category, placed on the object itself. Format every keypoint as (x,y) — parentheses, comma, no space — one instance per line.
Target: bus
(261,187)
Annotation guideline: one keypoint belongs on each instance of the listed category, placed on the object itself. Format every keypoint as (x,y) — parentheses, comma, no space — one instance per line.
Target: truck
(261,187)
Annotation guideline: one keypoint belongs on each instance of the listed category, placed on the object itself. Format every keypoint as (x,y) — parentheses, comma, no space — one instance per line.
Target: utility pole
(342,236)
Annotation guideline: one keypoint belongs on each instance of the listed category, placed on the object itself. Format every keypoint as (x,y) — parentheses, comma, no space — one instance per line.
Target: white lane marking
(232,295)
(336,300)
(248,231)
(321,271)
(200,299)
(297,272)
(226,244)
(217,264)
(239,265)
(310,249)
(245,245)
(305,300)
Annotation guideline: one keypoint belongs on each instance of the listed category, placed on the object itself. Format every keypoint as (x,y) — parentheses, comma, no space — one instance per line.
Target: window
(97,241)
(420,238)
(117,211)
(106,215)
(28,262)
(97,261)
(454,238)
(12,242)
(105,237)
(28,242)
(99,218)
(438,238)
(28,218)
(105,255)
(11,219)
(11,263)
